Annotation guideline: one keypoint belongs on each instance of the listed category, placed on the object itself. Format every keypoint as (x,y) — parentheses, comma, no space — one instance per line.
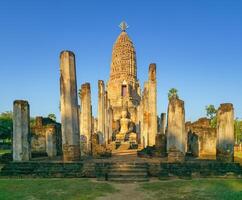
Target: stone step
(128,166)
(130,174)
(128,170)
(128,179)
(123,154)
(128,152)
(125,177)
(125,150)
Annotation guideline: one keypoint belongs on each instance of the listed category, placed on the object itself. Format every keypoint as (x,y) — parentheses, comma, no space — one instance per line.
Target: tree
(238,131)
(211,113)
(173,93)
(6,125)
(52,116)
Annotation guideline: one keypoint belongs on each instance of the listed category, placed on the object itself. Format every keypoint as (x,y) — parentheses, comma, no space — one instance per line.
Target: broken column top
(152,66)
(175,100)
(100,82)
(152,72)
(226,107)
(21,102)
(67,52)
(85,86)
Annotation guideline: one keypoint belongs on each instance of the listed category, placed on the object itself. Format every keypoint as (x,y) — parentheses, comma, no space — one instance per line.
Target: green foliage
(211,113)
(52,116)
(173,93)
(238,131)
(32,121)
(213,122)
(79,92)
(6,125)
(4,151)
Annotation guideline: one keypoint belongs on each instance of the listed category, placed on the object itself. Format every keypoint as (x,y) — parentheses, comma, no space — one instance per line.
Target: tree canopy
(211,111)
(6,125)
(238,130)
(173,93)
(52,116)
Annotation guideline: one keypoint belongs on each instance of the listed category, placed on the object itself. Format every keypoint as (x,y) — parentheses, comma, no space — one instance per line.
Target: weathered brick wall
(201,138)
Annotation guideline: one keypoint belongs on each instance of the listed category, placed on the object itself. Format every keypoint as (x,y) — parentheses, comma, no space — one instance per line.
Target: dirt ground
(127,191)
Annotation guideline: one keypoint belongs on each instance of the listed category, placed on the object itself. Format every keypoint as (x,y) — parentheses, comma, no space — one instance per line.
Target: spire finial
(123,25)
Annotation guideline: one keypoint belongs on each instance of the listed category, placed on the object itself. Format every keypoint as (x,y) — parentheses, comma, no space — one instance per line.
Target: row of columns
(105,115)
(103,124)
(176,136)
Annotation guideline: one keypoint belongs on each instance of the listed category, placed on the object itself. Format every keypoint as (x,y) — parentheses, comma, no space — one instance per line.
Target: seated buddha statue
(127,127)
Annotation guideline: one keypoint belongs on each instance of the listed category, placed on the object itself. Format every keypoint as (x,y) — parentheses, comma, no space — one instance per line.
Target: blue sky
(197,46)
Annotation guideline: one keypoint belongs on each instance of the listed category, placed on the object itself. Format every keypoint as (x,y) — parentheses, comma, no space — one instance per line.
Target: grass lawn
(4,151)
(85,189)
(80,189)
(199,189)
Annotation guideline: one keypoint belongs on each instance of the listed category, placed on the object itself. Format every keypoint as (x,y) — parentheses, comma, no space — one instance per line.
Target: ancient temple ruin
(127,114)
(46,137)
(126,125)
(124,114)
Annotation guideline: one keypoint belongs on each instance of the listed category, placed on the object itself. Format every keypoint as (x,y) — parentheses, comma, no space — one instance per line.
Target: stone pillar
(152,92)
(139,123)
(225,133)
(69,107)
(101,110)
(145,116)
(21,131)
(176,134)
(86,117)
(160,145)
(110,123)
(163,123)
(95,122)
(106,121)
(51,146)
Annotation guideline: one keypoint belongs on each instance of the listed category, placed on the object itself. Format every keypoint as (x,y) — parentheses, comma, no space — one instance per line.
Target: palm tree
(173,93)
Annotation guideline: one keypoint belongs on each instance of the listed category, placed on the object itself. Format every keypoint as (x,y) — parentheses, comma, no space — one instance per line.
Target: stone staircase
(128,172)
(124,149)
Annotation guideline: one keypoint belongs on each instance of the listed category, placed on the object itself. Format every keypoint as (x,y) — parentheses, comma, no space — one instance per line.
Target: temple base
(71,152)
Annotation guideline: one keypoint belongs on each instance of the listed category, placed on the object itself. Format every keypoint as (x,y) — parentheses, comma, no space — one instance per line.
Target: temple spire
(123,25)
